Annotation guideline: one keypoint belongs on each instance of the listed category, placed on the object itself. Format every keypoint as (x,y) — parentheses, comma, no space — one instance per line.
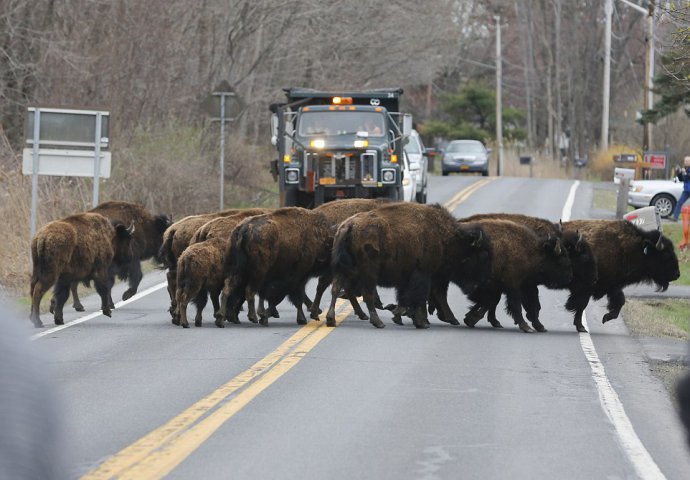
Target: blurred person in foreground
(31,440)
(683,391)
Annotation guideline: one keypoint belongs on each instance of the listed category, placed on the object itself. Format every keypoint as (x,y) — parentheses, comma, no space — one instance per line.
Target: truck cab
(334,145)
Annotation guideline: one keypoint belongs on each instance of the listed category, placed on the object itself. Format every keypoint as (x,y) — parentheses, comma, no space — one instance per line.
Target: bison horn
(557,249)
(560,226)
(130,229)
(579,239)
(478,241)
(659,244)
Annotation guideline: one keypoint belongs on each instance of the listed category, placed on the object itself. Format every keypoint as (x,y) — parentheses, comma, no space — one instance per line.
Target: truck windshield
(341,123)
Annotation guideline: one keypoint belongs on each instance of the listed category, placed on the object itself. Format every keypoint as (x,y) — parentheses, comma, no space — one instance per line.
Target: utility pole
(604,143)
(649,71)
(499,106)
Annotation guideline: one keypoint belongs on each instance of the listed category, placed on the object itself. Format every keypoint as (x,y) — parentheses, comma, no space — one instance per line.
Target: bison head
(161,224)
(556,269)
(581,256)
(659,261)
(122,243)
(472,253)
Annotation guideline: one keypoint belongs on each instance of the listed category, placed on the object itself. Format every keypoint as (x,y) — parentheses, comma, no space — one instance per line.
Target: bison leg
(215,294)
(324,282)
(38,291)
(262,312)
(514,308)
(379,304)
(172,288)
(370,299)
(103,289)
(397,311)
(491,316)
(134,277)
(616,301)
(420,318)
(76,304)
(438,299)
(356,307)
(330,315)
(200,301)
(474,314)
(297,298)
(251,307)
(181,300)
(577,302)
(60,294)
(530,300)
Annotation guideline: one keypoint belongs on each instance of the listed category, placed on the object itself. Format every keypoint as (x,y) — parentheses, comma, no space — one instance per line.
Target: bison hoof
(38,324)
(197,323)
(314,316)
(581,328)
(608,316)
(496,324)
(263,321)
(220,323)
(129,293)
(301,321)
(274,312)
(107,313)
(330,321)
(185,325)
(454,321)
(377,323)
(397,319)
(363,316)
(78,307)
(525,328)
(470,321)
(390,307)
(539,327)
(59,321)
(176,321)
(422,325)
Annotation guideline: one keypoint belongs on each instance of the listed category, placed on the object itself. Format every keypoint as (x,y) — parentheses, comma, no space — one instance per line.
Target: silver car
(661,194)
(414,148)
(466,156)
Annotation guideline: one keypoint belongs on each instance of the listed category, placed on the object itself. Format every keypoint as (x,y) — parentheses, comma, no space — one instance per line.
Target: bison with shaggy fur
(525,261)
(176,238)
(416,249)
(625,255)
(336,212)
(80,248)
(200,266)
(579,251)
(274,255)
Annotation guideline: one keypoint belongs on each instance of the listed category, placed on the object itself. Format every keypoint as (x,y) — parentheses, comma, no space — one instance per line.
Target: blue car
(466,156)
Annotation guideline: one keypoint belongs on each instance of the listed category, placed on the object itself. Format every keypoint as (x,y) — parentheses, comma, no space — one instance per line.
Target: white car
(416,153)
(409,181)
(661,194)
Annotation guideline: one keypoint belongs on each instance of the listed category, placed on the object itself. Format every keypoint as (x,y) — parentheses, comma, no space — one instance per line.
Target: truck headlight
(361,143)
(317,143)
(388,176)
(291,175)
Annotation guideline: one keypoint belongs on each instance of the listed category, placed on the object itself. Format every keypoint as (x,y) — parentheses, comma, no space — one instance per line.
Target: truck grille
(344,168)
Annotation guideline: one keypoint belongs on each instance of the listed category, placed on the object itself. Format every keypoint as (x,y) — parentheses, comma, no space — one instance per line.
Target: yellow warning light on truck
(342,100)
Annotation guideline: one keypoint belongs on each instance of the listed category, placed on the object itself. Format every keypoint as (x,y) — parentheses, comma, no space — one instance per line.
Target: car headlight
(291,175)
(638,189)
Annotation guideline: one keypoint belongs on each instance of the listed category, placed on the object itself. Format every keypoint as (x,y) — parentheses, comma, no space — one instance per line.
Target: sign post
(223,100)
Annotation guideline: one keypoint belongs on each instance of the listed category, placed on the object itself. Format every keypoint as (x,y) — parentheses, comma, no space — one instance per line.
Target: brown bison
(200,266)
(336,212)
(274,255)
(416,249)
(175,239)
(146,242)
(525,261)
(625,255)
(579,251)
(81,248)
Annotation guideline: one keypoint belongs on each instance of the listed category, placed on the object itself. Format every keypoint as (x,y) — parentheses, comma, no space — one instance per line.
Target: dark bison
(579,251)
(336,212)
(146,242)
(625,255)
(416,249)
(274,255)
(525,262)
(200,266)
(175,239)
(81,248)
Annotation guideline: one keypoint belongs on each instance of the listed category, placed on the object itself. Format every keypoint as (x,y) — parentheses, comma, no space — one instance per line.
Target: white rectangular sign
(69,163)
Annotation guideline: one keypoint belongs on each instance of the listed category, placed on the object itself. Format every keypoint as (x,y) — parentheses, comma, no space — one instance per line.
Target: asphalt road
(357,402)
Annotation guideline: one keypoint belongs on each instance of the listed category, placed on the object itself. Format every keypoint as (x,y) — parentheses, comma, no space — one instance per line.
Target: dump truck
(333,145)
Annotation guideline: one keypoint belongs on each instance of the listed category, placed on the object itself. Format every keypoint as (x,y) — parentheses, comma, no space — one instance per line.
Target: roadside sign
(655,160)
(625,158)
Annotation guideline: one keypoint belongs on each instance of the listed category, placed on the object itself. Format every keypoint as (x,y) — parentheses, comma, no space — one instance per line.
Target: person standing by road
(683,174)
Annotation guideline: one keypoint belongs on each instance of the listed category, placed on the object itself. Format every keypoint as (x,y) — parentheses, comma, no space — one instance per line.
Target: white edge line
(91,316)
(642,461)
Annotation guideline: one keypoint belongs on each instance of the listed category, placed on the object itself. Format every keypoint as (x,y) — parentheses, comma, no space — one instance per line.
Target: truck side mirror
(274,128)
(407,124)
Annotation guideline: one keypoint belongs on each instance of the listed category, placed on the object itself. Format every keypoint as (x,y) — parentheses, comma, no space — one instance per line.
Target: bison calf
(79,248)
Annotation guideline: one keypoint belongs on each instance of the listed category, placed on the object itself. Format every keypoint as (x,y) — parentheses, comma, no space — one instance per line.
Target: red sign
(656,160)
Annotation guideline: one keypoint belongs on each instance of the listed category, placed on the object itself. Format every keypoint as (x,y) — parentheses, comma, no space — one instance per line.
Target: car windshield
(341,123)
(465,147)
(413,145)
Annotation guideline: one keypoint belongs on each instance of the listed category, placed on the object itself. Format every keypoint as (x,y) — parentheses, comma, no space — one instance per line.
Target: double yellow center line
(162,450)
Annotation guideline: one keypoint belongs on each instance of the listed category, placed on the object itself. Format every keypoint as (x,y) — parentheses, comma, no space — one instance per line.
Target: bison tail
(343,260)
(165,254)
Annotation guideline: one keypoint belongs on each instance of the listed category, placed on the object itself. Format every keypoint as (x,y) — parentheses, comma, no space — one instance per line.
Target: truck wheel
(421,197)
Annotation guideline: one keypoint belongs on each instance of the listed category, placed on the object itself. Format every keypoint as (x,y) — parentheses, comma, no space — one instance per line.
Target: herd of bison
(354,246)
